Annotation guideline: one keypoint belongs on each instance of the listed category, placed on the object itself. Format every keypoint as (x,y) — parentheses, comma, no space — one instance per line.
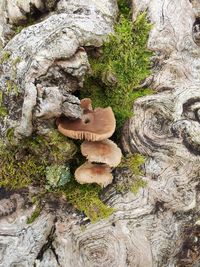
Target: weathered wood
(158,227)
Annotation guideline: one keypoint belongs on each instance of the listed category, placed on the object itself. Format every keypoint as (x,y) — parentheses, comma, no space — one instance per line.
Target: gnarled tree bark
(159,226)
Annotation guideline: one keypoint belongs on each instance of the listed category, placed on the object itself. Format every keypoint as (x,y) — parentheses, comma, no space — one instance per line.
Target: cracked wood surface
(159,226)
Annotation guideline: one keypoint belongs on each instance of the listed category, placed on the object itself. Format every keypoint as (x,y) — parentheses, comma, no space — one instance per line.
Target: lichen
(57,176)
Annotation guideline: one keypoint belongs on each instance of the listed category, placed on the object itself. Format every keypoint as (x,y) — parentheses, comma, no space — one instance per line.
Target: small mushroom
(105,151)
(86,104)
(89,173)
(94,125)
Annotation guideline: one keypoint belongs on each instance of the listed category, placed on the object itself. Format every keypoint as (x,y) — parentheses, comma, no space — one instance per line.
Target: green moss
(16,61)
(29,21)
(3,112)
(11,86)
(132,180)
(4,57)
(14,67)
(44,161)
(138,183)
(25,163)
(124,7)
(35,214)
(134,163)
(124,63)
(86,198)
(3,109)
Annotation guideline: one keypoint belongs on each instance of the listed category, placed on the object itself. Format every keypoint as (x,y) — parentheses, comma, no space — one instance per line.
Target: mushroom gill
(94,125)
(105,151)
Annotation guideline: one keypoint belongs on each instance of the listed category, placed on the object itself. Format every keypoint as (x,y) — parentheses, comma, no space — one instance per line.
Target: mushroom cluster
(95,127)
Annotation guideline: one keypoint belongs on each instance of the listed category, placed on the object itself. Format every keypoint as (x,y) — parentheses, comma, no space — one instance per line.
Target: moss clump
(131,180)
(25,163)
(35,214)
(29,21)
(137,184)
(124,63)
(134,163)
(3,109)
(4,57)
(86,198)
(11,87)
(124,7)
(44,162)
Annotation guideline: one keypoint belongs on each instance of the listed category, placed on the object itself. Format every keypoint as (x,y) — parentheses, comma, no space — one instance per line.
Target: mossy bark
(158,223)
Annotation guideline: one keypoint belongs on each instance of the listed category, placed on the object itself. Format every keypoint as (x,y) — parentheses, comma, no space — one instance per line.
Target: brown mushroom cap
(94,125)
(105,151)
(89,173)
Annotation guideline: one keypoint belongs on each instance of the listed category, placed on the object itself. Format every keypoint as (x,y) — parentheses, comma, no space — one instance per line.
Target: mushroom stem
(86,105)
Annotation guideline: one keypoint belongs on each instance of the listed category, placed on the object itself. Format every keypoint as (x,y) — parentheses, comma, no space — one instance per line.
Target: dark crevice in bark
(49,245)
(189,254)
(196,31)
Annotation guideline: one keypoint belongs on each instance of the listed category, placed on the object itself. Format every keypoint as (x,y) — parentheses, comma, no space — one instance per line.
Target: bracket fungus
(105,151)
(94,173)
(95,126)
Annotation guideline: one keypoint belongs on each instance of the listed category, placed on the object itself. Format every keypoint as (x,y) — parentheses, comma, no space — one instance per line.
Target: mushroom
(94,125)
(105,151)
(86,104)
(94,173)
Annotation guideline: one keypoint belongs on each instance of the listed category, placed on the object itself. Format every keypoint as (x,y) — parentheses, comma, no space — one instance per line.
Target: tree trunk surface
(158,227)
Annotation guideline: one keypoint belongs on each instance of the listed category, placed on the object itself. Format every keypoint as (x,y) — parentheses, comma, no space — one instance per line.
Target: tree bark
(159,226)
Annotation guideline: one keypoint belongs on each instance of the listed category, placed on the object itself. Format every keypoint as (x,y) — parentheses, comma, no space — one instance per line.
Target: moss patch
(86,198)
(44,161)
(134,163)
(4,57)
(132,170)
(3,109)
(25,163)
(28,22)
(35,214)
(117,73)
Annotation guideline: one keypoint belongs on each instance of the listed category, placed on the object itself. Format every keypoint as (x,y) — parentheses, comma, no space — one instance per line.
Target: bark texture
(159,226)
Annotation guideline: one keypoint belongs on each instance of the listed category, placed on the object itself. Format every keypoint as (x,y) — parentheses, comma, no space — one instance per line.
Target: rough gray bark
(47,54)
(159,226)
